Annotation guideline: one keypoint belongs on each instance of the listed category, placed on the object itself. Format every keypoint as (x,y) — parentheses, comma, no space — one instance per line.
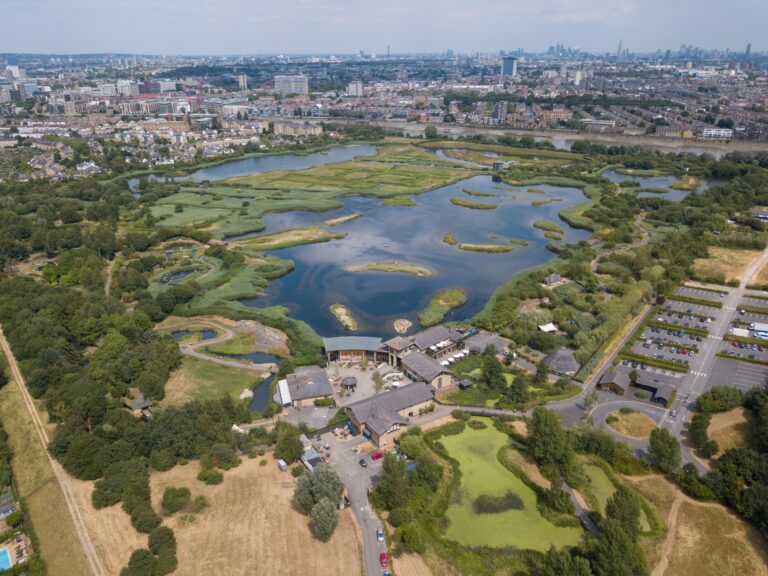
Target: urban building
(285,85)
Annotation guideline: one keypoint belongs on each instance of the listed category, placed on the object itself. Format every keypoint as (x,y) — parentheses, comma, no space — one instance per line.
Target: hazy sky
(336,26)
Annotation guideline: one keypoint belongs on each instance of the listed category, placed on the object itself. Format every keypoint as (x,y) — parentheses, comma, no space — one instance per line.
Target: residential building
(509,66)
(285,85)
(382,418)
(303,387)
(355,89)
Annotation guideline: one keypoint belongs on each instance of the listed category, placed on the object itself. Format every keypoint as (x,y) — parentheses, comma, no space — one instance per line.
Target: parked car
(363,463)
(379,534)
(384,559)
(377,455)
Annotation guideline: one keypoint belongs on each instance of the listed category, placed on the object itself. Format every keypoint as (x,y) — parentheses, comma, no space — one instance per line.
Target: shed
(285,394)
(548,327)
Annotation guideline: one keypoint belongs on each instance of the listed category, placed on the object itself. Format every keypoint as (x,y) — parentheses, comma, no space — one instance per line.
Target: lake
(413,234)
(268,163)
(658,182)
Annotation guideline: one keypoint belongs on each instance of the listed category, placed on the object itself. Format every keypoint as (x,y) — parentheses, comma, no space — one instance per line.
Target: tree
(546,438)
(518,390)
(542,373)
(322,484)
(161,539)
(288,447)
(325,518)
(664,449)
(430,132)
(561,563)
(615,553)
(624,506)
(492,374)
(378,382)
(590,399)
(141,563)
(392,486)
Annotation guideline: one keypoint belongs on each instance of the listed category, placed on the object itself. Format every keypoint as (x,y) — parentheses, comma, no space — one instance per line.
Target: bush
(144,519)
(166,563)
(626,410)
(411,537)
(141,563)
(486,504)
(14,519)
(324,402)
(161,539)
(460,415)
(210,476)
(298,470)
(174,499)
(477,425)
(719,399)
(162,460)
(223,456)
(199,504)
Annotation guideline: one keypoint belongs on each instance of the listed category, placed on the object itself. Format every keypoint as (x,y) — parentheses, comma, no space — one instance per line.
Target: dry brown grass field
(702,538)
(60,547)
(110,528)
(252,527)
(729,263)
(633,425)
(732,429)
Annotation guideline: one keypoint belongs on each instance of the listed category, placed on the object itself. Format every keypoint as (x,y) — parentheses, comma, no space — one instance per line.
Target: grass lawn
(632,424)
(602,489)
(725,263)
(200,380)
(34,481)
(482,473)
(242,343)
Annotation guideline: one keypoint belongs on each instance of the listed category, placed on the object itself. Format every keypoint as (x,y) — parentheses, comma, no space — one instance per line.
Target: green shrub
(298,470)
(627,410)
(323,402)
(411,537)
(162,460)
(144,519)
(14,519)
(210,476)
(198,504)
(223,456)
(161,539)
(174,499)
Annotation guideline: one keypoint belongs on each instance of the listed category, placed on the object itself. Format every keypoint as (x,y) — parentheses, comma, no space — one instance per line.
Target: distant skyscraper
(509,66)
(748,53)
(618,52)
(242,81)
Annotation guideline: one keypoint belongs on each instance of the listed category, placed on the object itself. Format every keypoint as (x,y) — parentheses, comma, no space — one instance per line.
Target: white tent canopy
(548,327)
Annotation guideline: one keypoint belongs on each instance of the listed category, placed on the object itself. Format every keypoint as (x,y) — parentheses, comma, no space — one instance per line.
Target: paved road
(97,568)
(357,480)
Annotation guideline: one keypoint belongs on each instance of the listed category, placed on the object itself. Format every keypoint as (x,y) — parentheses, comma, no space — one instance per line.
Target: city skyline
(341,27)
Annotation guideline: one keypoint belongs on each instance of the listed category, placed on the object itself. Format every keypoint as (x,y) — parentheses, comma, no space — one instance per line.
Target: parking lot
(743,375)
(756,302)
(675,306)
(692,292)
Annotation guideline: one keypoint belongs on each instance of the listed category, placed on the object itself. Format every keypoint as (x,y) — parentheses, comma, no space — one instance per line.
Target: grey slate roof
(340,343)
(432,336)
(618,377)
(482,340)
(562,361)
(399,343)
(309,382)
(380,412)
(423,366)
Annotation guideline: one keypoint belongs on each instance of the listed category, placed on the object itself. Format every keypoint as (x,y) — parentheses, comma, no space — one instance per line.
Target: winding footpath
(97,568)
(227,334)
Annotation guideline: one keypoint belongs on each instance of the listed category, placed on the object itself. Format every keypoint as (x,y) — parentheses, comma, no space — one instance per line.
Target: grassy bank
(392,266)
(292,237)
(440,305)
(490,248)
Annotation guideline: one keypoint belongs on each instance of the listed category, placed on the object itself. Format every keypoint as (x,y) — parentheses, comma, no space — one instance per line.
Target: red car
(377,455)
(384,559)
(735,344)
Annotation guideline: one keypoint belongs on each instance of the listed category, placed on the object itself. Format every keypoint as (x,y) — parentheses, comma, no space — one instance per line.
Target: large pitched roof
(433,336)
(562,361)
(399,343)
(340,343)
(380,412)
(309,382)
(423,366)
(618,377)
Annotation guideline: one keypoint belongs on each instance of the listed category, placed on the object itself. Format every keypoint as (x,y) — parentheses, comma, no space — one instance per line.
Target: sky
(199,27)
